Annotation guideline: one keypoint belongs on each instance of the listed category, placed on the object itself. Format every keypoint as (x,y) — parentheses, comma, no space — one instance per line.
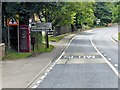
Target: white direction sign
(41,26)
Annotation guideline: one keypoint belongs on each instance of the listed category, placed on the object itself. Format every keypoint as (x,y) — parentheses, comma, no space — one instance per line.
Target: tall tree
(103,12)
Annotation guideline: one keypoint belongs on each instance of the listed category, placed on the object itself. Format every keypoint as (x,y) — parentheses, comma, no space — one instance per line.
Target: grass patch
(100,26)
(119,36)
(11,55)
(42,48)
(57,38)
(14,55)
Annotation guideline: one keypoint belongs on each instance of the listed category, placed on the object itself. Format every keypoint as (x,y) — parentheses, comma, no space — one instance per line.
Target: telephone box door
(24,38)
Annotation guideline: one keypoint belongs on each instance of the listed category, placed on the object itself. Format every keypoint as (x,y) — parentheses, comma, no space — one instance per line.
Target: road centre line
(111,66)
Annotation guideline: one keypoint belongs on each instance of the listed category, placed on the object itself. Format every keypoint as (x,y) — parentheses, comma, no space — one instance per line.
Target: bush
(119,35)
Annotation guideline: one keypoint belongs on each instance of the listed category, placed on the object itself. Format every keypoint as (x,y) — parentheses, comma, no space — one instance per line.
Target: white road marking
(112,39)
(45,74)
(37,75)
(35,86)
(111,66)
(53,65)
(64,50)
(48,70)
(89,56)
(42,77)
(51,68)
(48,65)
(38,82)
(116,65)
(69,42)
(59,57)
(71,57)
(109,59)
(105,55)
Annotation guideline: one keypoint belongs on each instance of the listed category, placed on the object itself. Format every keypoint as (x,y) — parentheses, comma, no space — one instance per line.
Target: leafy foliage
(64,13)
(103,12)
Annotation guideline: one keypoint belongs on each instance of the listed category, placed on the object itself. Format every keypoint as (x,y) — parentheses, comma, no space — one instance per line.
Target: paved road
(81,66)
(106,45)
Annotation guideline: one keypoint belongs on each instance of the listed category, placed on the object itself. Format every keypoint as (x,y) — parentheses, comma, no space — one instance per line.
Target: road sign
(12,22)
(98,21)
(41,26)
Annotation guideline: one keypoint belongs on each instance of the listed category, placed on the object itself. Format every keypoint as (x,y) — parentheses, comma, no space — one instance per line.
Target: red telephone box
(24,39)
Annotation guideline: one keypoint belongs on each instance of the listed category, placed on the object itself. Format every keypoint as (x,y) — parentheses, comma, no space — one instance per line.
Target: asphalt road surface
(90,61)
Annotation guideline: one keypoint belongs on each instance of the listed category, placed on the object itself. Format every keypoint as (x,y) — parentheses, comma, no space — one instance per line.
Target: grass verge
(11,55)
(42,48)
(57,38)
(119,36)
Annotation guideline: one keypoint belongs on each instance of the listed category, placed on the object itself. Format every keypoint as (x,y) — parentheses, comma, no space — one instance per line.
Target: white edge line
(38,75)
(50,63)
(69,42)
(109,59)
(35,86)
(112,39)
(65,49)
(111,66)
(38,82)
(116,65)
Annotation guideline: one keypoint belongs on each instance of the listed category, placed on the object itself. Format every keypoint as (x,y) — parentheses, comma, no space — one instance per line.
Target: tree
(103,12)
(115,11)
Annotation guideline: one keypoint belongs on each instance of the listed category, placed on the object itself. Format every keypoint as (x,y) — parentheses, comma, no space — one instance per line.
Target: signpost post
(8,38)
(47,41)
(38,27)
